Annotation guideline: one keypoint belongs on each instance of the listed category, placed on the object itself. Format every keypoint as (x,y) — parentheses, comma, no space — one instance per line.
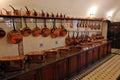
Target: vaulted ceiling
(109,9)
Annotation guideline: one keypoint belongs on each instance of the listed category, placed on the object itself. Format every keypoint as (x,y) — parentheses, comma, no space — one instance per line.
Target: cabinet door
(90,56)
(109,48)
(28,76)
(48,72)
(73,65)
(95,54)
(105,50)
(62,69)
(101,51)
(82,60)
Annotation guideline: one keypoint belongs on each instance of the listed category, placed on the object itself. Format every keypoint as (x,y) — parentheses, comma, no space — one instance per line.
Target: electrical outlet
(56,42)
(41,44)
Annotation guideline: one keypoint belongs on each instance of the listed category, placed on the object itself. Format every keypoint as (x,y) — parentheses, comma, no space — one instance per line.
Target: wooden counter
(61,67)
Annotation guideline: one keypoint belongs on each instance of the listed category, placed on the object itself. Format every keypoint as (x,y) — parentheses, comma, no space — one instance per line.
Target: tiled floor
(107,69)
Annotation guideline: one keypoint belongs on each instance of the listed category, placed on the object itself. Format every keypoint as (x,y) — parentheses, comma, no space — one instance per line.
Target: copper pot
(27,11)
(63,31)
(15,11)
(2,33)
(68,40)
(7,12)
(36,31)
(45,30)
(26,31)
(55,32)
(15,36)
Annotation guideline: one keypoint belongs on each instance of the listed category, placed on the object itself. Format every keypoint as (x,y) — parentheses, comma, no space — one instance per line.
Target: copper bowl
(75,48)
(64,51)
(35,57)
(12,63)
(51,53)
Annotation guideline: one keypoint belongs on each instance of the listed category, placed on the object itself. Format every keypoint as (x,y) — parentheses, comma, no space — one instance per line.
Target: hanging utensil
(2,33)
(54,31)
(36,31)
(26,30)
(15,11)
(14,36)
(45,30)
(27,11)
(43,13)
(63,31)
(7,12)
(35,13)
(68,40)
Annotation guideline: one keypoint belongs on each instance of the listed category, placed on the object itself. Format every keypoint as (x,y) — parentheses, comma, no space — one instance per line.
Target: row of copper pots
(83,38)
(33,12)
(45,31)
(93,25)
(41,56)
(15,36)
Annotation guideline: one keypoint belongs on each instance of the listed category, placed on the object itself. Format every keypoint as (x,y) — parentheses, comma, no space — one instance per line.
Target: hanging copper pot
(52,15)
(26,31)
(7,12)
(43,13)
(35,13)
(15,11)
(68,40)
(77,40)
(2,33)
(55,32)
(14,36)
(27,11)
(45,30)
(63,31)
(71,24)
(36,31)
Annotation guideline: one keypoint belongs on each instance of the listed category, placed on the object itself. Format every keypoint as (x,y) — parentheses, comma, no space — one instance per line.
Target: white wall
(78,8)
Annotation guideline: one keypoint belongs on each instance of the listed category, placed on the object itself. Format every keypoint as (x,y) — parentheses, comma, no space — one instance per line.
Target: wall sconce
(92,11)
(109,15)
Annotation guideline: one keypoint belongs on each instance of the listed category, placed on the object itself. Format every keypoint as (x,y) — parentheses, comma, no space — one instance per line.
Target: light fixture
(109,15)
(92,11)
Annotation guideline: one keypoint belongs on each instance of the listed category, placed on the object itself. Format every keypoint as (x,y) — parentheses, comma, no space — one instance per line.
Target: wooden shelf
(39,17)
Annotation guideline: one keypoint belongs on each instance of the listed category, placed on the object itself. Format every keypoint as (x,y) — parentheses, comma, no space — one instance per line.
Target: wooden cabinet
(62,69)
(109,48)
(100,52)
(48,72)
(81,60)
(95,54)
(28,76)
(72,65)
(105,50)
(89,56)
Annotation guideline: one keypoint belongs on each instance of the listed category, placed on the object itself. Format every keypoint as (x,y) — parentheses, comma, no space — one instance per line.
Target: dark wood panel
(28,76)
(90,56)
(62,69)
(72,65)
(48,72)
(100,52)
(82,60)
(109,48)
(95,54)
(105,50)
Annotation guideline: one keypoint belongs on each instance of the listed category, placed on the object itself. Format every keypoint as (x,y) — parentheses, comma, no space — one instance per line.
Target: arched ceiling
(78,8)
